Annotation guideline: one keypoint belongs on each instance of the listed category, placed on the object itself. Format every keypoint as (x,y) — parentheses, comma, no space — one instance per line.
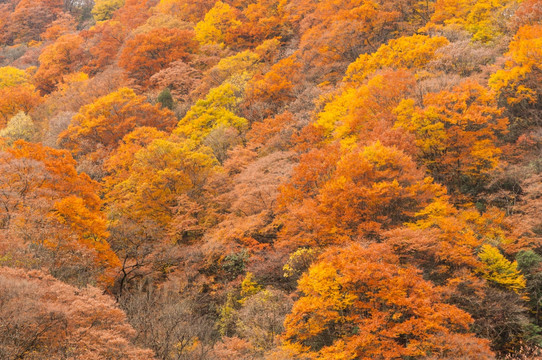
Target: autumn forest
(270,179)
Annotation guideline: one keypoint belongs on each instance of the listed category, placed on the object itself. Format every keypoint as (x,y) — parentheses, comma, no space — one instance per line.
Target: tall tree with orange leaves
(58,60)
(518,84)
(457,134)
(98,127)
(360,303)
(52,214)
(362,192)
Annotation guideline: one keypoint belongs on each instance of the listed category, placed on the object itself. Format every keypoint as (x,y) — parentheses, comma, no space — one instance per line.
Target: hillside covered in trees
(270,179)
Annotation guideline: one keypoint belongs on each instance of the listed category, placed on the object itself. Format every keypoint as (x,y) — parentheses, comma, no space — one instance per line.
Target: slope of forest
(270,179)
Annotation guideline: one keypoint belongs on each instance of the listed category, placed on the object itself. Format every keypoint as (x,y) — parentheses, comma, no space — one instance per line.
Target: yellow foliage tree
(216,110)
(19,127)
(483,19)
(499,270)
(445,241)
(218,21)
(11,76)
(103,9)
(242,62)
(407,52)
(249,287)
(365,112)
(159,174)
(520,80)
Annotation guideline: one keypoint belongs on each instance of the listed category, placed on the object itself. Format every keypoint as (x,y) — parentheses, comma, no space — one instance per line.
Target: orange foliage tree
(518,84)
(457,134)
(63,25)
(133,13)
(186,10)
(54,212)
(360,303)
(260,20)
(99,126)
(103,41)
(357,193)
(16,96)
(58,60)
(276,87)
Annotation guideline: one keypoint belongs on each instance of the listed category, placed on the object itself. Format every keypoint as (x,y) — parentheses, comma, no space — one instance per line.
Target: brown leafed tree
(43,318)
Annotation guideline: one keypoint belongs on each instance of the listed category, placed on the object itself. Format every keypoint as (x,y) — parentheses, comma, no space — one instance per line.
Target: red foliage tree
(103,42)
(27,20)
(148,53)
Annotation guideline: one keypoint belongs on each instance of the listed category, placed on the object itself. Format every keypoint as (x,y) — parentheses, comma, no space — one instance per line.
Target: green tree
(166,99)
(530,264)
